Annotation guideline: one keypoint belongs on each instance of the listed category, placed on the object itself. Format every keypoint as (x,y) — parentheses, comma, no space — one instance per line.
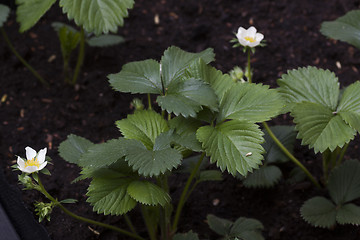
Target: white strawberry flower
(34,161)
(249,37)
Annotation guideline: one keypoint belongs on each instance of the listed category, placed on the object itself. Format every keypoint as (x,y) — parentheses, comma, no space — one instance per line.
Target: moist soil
(33,115)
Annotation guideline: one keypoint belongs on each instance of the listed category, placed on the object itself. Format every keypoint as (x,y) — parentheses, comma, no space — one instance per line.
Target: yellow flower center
(250,39)
(32,162)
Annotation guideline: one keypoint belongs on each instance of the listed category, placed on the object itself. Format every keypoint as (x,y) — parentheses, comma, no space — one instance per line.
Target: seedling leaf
(106,40)
(210,175)
(265,176)
(99,16)
(148,193)
(345,28)
(344,182)
(319,212)
(4,14)
(73,147)
(219,225)
(234,145)
(247,229)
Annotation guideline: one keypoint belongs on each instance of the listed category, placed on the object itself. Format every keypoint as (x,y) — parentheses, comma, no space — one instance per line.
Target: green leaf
(344,182)
(69,40)
(310,85)
(349,106)
(108,195)
(99,16)
(4,14)
(105,40)
(319,212)
(219,225)
(58,25)
(320,128)
(148,193)
(265,176)
(186,97)
(186,236)
(144,126)
(29,12)
(151,162)
(234,145)
(247,229)
(210,175)
(251,102)
(345,28)
(348,214)
(175,61)
(104,154)
(73,147)
(218,81)
(286,136)
(69,200)
(138,77)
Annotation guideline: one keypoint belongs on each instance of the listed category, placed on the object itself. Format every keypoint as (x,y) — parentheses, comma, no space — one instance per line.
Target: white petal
(259,37)
(41,155)
(240,31)
(42,165)
(30,153)
(243,42)
(253,44)
(31,169)
(251,32)
(21,163)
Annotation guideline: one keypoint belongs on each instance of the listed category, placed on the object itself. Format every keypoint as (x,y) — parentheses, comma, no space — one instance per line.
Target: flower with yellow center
(249,37)
(34,161)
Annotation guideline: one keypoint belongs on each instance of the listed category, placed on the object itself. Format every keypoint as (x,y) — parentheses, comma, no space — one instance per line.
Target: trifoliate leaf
(151,162)
(218,81)
(234,145)
(175,61)
(320,128)
(210,175)
(286,135)
(344,182)
(266,176)
(310,85)
(349,106)
(106,40)
(345,28)
(319,212)
(108,195)
(148,193)
(99,16)
(247,229)
(251,102)
(73,147)
(185,129)
(138,77)
(144,126)
(29,12)
(103,154)
(4,14)
(348,214)
(186,97)
(186,236)
(219,225)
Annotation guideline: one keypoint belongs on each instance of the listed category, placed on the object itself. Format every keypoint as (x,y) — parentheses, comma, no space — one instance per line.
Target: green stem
(248,64)
(342,154)
(149,101)
(80,58)
(148,223)
(325,162)
(32,70)
(184,194)
(65,210)
(289,155)
(130,225)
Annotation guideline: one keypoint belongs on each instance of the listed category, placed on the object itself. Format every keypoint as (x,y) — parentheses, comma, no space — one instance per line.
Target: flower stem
(184,194)
(289,155)
(81,56)
(248,64)
(148,223)
(149,101)
(342,154)
(23,61)
(65,210)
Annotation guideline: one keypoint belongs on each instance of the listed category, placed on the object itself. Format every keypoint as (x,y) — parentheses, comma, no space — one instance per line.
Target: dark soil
(36,116)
